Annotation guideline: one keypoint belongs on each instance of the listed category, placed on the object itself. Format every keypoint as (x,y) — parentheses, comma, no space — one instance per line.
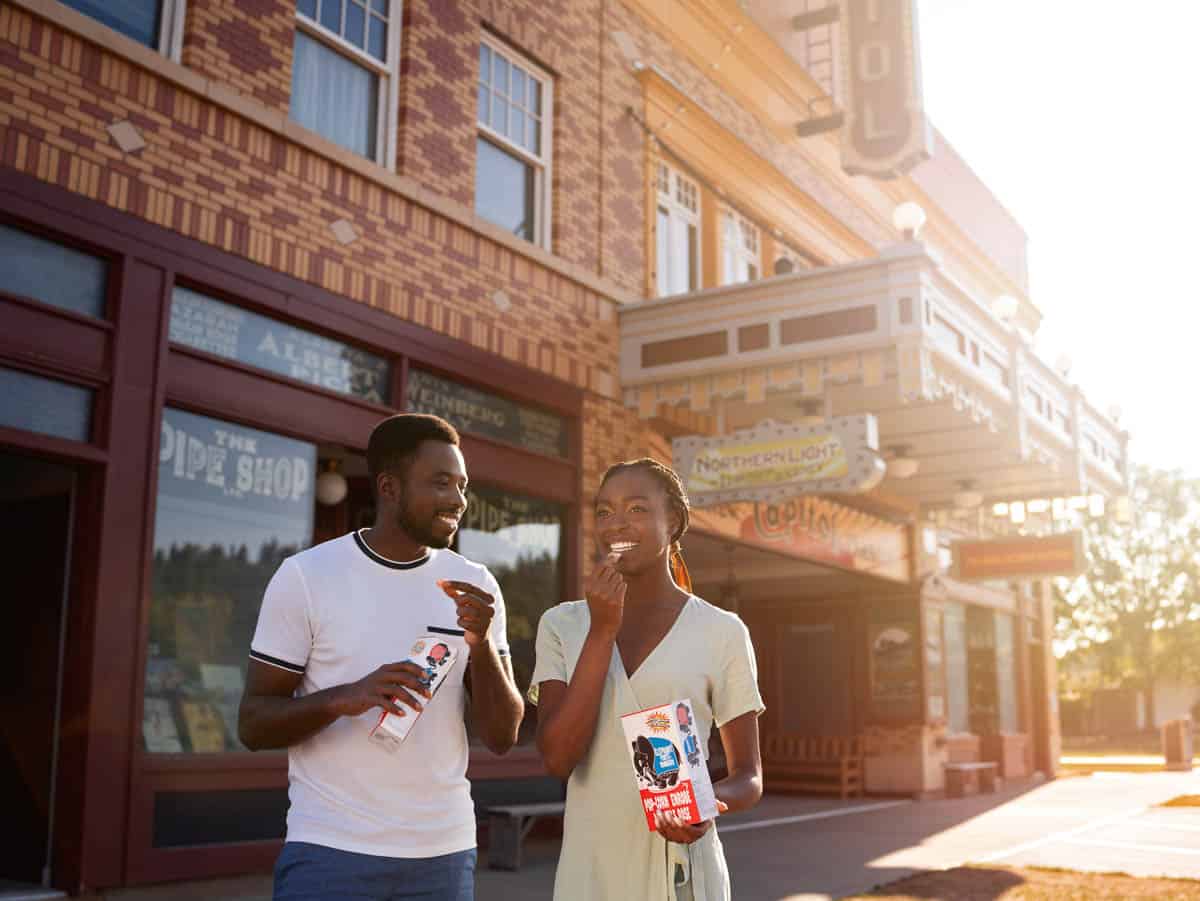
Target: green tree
(1136,610)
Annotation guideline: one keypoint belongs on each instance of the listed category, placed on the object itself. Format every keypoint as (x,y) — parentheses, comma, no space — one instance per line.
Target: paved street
(804,849)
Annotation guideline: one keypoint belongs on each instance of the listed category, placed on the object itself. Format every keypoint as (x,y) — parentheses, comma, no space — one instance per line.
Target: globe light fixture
(331,486)
(967,498)
(899,464)
(908,218)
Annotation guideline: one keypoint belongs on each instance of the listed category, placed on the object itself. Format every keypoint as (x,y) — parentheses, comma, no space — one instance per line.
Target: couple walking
(326,660)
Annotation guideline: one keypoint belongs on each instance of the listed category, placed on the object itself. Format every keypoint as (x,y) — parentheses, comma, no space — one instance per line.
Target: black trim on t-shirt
(440,631)
(275,661)
(384,561)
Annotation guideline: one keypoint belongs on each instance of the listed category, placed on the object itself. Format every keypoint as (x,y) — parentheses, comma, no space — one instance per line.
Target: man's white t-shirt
(336,613)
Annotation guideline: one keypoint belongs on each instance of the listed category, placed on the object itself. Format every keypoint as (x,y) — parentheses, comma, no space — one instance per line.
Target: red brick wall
(245,45)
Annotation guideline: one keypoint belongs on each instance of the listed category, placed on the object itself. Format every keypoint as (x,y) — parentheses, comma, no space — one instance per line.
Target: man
(365,823)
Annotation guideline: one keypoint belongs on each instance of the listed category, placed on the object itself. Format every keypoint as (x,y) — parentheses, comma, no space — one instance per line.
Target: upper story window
(512,163)
(156,23)
(739,249)
(677,232)
(343,82)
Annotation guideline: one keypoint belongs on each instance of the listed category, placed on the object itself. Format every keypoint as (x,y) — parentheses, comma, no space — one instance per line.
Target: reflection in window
(335,96)
(44,270)
(138,19)
(1006,676)
(233,502)
(520,540)
(46,406)
(956,668)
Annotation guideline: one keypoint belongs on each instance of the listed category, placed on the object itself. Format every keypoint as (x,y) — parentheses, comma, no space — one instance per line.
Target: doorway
(36,512)
(816,695)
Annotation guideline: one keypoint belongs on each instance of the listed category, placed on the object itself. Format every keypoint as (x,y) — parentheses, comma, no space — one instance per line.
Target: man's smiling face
(433,498)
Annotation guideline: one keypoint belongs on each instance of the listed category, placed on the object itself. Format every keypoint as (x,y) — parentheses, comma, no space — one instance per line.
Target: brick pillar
(247,46)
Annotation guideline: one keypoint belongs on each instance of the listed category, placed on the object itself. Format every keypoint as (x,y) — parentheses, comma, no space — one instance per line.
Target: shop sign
(826,532)
(219,328)
(774,461)
(885,131)
(481,413)
(206,461)
(1020,558)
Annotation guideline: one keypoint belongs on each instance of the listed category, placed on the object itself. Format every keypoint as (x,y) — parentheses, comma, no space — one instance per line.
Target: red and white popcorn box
(436,655)
(668,763)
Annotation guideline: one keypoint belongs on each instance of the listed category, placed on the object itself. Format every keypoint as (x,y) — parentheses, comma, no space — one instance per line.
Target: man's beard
(421,533)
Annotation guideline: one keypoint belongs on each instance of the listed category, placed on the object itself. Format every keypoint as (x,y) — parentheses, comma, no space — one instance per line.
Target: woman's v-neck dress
(608,854)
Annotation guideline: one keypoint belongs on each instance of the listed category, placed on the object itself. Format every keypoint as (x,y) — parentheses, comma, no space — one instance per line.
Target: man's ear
(387,487)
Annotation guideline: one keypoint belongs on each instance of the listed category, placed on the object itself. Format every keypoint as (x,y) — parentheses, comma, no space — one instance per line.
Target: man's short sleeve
(550,664)
(499,627)
(735,692)
(283,637)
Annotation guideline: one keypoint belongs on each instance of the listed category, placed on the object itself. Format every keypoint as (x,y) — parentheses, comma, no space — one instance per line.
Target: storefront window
(956,668)
(1006,676)
(981,670)
(46,406)
(233,502)
(489,415)
(216,327)
(54,274)
(520,540)
(935,667)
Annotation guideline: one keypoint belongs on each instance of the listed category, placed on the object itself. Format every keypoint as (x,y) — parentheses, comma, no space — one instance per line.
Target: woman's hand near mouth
(605,593)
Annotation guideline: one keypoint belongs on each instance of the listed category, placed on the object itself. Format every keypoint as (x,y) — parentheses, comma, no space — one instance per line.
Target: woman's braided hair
(677,498)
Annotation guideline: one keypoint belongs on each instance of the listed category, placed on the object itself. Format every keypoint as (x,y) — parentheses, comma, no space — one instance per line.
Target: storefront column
(1045,688)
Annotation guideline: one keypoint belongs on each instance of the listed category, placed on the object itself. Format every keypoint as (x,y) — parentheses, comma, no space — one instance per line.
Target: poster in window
(894,669)
(158,727)
(205,730)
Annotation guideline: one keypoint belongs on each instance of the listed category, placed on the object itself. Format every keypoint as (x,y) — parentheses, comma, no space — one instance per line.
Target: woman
(641,639)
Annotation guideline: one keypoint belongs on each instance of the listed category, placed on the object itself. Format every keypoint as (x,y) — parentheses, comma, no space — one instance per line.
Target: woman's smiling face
(634,520)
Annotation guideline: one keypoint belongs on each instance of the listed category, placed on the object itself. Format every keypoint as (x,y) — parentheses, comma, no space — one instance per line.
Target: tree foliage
(1136,611)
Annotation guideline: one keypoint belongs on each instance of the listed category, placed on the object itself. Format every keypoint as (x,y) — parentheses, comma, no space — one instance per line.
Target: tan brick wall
(246,45)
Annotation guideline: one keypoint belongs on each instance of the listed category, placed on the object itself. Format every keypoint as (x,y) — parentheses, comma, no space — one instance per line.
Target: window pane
(46,406)
(500,114)
(518,86)
(499,73)
(380,6)
(137,19)
(1006,686)
(233,502)
(519,539)
(220,328)
(534,104)
(662,239)
(956,668)
(484,96)
(377,39)
(356,25)
(307,7)
(516,131)
(44,270)
(333,96)
(504,190)
(679,257)
(483,413)
(485,64)
(533,135)
(331,15)
(693,257)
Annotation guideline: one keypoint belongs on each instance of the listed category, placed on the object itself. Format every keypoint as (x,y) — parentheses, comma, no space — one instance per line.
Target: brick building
(235,235)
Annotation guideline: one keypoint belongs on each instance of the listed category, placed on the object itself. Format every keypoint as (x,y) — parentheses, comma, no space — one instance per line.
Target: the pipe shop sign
(774,461)
(885,132)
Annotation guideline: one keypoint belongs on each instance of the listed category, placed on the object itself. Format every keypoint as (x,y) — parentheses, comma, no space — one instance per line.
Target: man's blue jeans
(306,872)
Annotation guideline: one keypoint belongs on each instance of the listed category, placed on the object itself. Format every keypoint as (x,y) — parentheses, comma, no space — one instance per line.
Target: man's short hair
(395,440)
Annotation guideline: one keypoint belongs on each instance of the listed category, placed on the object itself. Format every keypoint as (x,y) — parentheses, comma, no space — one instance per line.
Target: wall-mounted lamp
(967,498)
(908,218)
(899,464)
(331,486)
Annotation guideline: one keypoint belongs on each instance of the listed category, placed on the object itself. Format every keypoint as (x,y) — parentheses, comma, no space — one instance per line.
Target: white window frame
(388,72)
(679,197)
(543,164)
(740,252)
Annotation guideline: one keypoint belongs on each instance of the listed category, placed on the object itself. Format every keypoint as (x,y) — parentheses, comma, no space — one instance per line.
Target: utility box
(1177,740)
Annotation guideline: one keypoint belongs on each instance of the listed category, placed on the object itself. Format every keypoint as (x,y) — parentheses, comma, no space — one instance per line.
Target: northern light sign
(773,461)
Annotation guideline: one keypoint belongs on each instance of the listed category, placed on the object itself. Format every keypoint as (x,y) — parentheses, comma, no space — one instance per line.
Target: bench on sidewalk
(508,824)
(963,779)
(820,764)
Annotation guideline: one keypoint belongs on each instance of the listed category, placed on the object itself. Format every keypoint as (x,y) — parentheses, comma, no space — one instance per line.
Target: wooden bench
(805,763)
(963,779)
(508,824)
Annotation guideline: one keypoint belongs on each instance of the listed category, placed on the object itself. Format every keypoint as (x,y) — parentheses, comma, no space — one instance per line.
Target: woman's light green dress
(608,854)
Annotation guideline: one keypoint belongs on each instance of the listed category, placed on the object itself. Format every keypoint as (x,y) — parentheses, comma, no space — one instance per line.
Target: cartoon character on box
(691,746)
(656,761)
(434,660)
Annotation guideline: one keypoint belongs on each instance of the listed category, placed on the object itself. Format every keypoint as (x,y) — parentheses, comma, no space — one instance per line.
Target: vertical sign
(885,131)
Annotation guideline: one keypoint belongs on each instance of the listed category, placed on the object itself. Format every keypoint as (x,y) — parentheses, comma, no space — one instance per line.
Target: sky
(1082,117)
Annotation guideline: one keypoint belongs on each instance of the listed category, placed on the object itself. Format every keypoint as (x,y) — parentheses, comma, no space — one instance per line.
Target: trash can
(1177,744)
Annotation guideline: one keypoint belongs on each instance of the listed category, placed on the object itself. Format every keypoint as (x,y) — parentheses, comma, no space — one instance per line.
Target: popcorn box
(436,656)
(668,763)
